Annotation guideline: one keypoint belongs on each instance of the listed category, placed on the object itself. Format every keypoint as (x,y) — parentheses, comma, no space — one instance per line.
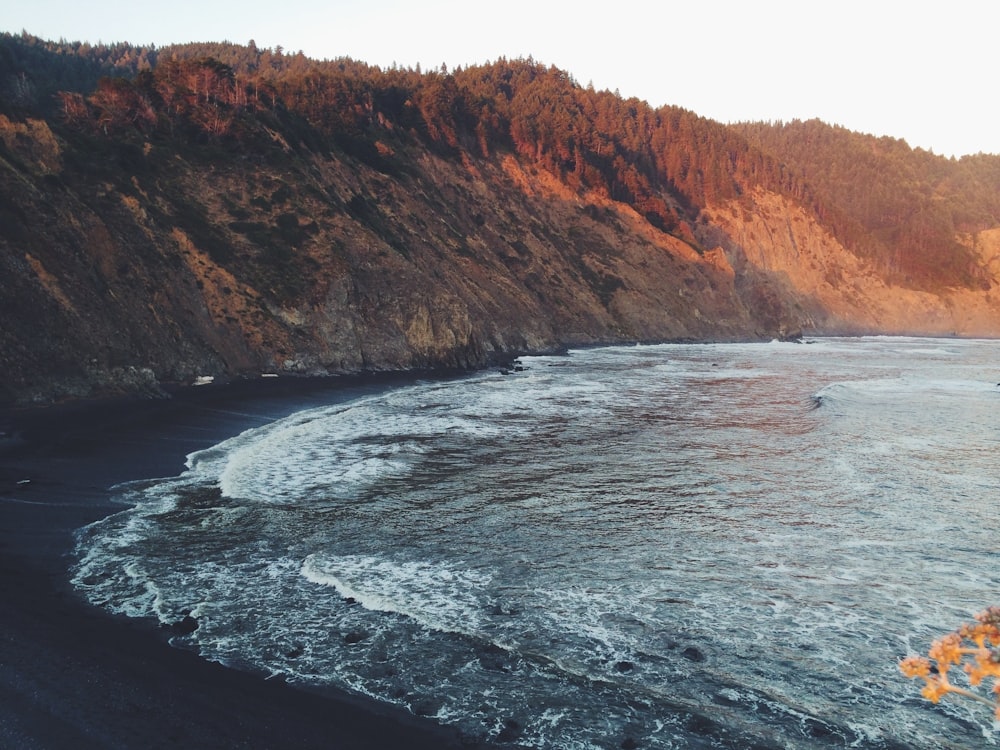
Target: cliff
(140,250)
(839,292)
(172,267)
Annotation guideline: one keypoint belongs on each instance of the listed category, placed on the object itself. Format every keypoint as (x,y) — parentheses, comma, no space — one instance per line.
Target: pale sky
(923,72)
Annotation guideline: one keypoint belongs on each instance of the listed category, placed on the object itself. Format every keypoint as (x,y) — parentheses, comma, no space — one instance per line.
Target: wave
(903,389)
(441,597)
(334,451)
(604,673)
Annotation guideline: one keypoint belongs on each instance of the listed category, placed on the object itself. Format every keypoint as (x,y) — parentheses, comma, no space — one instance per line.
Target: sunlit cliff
(229,211)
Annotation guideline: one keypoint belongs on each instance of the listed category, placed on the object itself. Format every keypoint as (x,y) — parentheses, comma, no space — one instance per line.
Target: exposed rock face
(128,267)
(839,292)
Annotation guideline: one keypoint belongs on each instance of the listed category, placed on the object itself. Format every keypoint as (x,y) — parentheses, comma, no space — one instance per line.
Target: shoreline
(75,676)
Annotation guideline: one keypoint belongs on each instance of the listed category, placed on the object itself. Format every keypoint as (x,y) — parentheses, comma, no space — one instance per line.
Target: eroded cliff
(141,247)
(136,265)
(840,292)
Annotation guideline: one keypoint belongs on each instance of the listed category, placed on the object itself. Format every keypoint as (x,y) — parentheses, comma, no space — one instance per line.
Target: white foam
(342,450)
(438,596)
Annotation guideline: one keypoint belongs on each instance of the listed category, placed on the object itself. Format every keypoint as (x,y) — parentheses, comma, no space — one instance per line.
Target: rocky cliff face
(839,292)
(129,265)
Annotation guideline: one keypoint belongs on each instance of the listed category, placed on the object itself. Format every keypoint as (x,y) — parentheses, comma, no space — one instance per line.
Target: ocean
(670,546)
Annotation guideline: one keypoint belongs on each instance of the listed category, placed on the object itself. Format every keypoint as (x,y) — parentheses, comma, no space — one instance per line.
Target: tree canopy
(900,207)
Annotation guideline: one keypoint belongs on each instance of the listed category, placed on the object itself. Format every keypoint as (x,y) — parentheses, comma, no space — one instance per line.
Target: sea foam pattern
(676,546)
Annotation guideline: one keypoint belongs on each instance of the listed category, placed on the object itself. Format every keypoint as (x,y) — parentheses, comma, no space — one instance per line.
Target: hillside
(228,211)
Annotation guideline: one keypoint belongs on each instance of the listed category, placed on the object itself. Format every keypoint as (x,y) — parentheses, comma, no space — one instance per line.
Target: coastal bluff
(144,253)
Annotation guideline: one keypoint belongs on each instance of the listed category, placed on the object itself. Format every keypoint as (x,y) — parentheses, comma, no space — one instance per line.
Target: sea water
(676,546)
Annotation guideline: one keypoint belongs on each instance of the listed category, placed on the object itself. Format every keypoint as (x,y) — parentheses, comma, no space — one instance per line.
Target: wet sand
(73,676)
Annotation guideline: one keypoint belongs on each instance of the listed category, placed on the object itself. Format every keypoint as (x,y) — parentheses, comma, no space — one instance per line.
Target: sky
(926,73)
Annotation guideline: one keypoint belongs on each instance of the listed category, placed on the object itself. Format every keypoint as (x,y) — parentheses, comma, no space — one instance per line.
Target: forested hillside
(223,209)
(910,205)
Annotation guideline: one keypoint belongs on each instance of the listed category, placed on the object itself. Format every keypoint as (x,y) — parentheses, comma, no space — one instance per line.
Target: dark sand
(73,676)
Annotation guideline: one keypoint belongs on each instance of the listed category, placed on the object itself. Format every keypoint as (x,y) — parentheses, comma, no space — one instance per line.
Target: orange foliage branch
(974,646)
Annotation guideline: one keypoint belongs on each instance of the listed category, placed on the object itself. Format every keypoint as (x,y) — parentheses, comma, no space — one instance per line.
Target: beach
(74,676)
